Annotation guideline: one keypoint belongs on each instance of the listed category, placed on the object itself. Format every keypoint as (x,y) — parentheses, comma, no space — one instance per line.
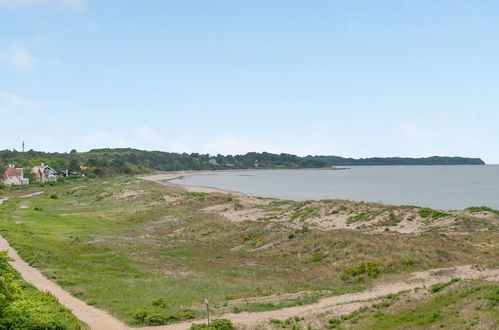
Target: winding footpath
(339,305)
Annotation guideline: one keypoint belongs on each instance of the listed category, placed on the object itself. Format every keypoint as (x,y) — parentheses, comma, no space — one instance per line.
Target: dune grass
(123,244)
(469,305)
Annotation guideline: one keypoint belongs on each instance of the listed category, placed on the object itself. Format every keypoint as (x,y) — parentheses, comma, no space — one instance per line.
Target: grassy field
(149,254)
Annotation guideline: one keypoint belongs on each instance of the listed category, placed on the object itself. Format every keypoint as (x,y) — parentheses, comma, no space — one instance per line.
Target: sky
(350,78)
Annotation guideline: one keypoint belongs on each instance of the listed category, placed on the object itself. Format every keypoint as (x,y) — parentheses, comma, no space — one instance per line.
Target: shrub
(216,324)
(160,302)
(408,262)
(370,269)
(3,186)
(54,196)
(318,256)
(148,317)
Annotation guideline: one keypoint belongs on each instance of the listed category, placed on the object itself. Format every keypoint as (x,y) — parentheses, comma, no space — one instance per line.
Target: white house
(14,176)
(44,173)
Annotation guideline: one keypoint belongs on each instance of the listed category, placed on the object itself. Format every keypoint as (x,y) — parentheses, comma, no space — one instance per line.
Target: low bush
(318,256)
(160,302)
(148,317)
(216,324)
(370,269)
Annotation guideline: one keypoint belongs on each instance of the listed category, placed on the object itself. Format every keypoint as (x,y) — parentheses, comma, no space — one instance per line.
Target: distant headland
(379,161)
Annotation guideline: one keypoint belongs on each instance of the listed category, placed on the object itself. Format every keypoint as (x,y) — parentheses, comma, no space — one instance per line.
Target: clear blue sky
(350,78)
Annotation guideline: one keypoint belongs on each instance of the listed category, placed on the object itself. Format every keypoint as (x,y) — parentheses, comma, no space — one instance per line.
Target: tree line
(106,162)
(377,161)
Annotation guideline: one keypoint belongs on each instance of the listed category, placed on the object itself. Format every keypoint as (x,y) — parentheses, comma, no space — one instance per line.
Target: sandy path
(99,319)
(33,194)
(347,303)
(95,318)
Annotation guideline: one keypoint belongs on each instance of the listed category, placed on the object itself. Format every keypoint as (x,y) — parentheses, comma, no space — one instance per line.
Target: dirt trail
(95,318)
(99,319)
(347,303)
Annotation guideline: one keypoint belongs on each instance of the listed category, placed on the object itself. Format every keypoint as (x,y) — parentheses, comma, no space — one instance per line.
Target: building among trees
(44,173)
(14,176)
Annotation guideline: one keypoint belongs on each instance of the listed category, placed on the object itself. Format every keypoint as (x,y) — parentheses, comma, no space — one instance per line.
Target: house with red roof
(14,176)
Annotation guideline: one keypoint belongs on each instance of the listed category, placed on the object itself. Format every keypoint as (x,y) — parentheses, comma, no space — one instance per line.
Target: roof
(12,171)
(43,167)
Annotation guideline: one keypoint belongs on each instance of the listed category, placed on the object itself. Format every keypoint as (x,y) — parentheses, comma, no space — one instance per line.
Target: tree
(74,165)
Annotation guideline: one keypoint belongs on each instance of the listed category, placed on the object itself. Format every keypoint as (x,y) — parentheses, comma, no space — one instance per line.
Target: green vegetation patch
(440,286)
(216,324)
(24,307)
(367,215)
(270,306)
(476,209)
(302,212)
(370,269)
(289,323)
(433,214)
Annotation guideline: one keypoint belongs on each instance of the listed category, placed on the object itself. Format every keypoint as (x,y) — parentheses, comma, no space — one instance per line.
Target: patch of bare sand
(128,193)
(32,194)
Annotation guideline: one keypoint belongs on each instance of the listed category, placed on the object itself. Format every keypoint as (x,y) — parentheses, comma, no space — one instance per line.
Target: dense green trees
(340,161)
(103,162)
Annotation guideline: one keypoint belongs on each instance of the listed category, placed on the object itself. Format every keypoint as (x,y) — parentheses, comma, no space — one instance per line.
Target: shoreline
(166,178)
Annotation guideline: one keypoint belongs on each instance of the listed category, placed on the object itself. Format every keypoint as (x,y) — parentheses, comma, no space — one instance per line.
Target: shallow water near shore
(440,187)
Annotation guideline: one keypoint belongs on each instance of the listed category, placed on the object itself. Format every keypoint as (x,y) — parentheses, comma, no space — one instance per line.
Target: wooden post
(207,303)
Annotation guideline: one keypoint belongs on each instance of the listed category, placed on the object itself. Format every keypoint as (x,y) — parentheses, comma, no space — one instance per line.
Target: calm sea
(441,187)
